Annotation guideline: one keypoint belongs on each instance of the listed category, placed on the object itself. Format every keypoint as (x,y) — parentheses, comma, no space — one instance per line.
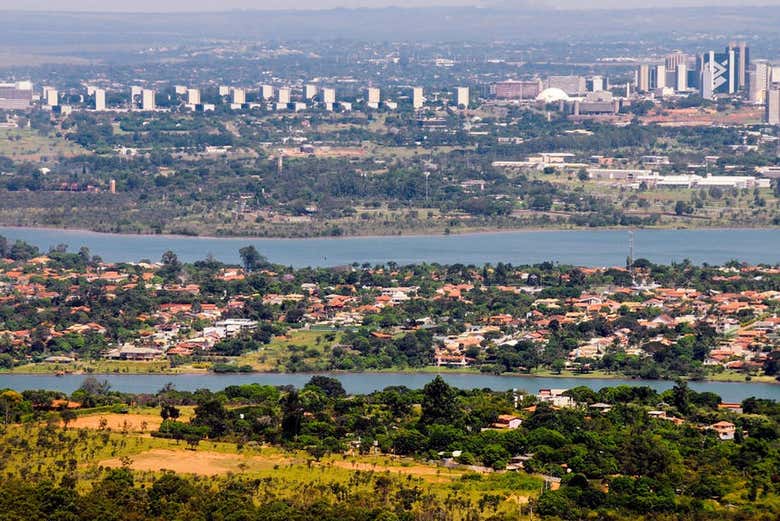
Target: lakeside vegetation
(246,452)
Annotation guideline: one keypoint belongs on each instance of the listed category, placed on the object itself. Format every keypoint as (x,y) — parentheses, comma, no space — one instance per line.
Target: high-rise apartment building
(193,96)
(418,99)
(284,96)
(267,92)
(373,97)
(224,90)
(100,99)
(239,96)
(51,96)
(328,95)
(309,91)
(462,97)
(148,99)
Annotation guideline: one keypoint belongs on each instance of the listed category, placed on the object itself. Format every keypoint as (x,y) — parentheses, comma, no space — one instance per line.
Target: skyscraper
(328,96)
(239,96)
(759,78)
(51,95)
(675,59)
(135,95)
(681,77)
(417,98)
(100,99)
(373,97)
(643,78)
(658,77)
(193,96)
(718,73)
(462,97)
(147,99)
(773,105)
(284,96)
(741,62)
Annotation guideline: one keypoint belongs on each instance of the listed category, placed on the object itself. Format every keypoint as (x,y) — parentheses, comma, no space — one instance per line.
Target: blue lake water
(369,382)
(582,247)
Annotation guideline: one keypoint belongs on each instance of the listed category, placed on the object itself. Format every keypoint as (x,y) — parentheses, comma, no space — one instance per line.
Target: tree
(171,267)
(67,416)
(681,397)
(251,258)
(439,404)
(331,387)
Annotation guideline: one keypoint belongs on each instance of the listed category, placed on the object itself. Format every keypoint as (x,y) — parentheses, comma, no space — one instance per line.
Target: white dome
(552,95)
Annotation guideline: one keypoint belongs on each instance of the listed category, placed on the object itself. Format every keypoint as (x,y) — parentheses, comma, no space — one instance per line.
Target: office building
(643,78)
(512,89)
(681,77)
(418,100)
(16,96)
(147,99)
(718,74)
(239,96)
(309,91)
(135,96)
(462,97)
(673,60)
(759,79)
(100,99)
(284,96)
(267,92)
(571,85)
(193,96)
(373,97)
(596,84)
(741,63)
(328,96)
(658,77)
(773,105)
(51,96)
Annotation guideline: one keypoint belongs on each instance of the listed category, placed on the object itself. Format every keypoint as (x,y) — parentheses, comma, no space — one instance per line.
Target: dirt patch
(205,463)
(118,422)
(424,471)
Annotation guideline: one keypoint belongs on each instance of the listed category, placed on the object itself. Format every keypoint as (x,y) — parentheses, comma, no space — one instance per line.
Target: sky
(224,5)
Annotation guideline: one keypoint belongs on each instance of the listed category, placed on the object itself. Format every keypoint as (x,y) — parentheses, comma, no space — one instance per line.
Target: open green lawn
(29,145)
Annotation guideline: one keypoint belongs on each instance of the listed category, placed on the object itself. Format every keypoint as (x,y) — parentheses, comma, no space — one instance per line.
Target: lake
(362,383)
(581,247)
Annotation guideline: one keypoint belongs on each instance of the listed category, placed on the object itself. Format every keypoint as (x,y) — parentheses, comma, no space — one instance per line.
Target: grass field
(95,442)
(29,145)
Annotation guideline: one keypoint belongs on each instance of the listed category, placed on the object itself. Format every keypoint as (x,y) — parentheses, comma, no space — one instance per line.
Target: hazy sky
(223,5)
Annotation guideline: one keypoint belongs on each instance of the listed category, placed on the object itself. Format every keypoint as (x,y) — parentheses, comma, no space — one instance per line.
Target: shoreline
(421,372)
(465,233)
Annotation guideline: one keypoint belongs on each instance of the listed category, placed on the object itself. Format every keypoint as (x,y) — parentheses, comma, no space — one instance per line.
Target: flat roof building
(15,96)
